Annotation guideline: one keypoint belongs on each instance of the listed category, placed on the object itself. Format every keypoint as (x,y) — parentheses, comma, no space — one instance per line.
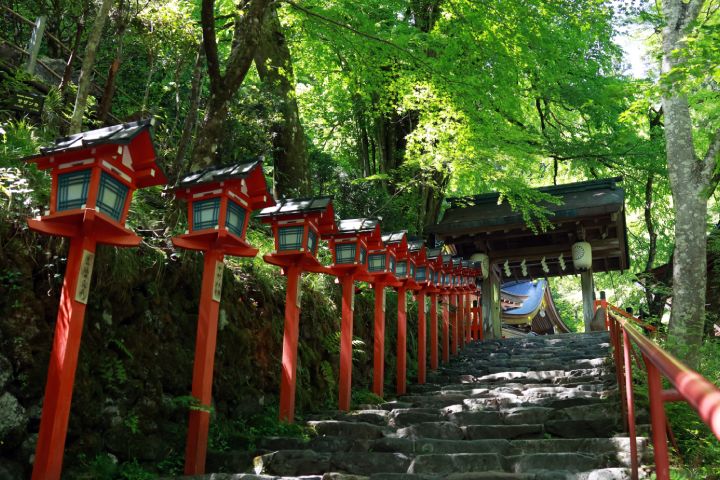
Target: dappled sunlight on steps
(537,408)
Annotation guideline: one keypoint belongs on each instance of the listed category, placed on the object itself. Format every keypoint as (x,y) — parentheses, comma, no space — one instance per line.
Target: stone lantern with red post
(456,316)
(381,274)
(465,293)
(349,245)
(418,253)
(476,329)
(405,274)
(219,203)
(444,285)
(94,175)
(434,264)
(297,226)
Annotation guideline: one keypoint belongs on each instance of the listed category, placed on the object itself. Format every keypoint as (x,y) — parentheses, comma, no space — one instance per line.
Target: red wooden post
(63,363)
(421,337)
(94,175)
(469,315)
(379,341)
(454,323)
(460,321)
(446,328)
(346,334)
(296,224)
(349,243)
(657,421)
(630,400)
(219,204)
(290,344)
(433,332)
(481,327)
(196,446)
(401,341)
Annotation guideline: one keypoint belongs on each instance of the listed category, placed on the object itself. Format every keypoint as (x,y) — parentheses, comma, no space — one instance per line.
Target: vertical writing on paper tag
(83,285)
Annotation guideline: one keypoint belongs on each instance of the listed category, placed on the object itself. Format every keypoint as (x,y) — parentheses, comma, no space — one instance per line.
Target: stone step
(347,429)
(534,408)
(597,474)
(328,444)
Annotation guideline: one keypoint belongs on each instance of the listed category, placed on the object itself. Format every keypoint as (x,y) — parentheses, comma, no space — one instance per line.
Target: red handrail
(689,385)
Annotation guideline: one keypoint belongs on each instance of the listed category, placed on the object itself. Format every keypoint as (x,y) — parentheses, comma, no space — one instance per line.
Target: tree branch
(354,30)
(709,161)
(207,19)
(245,41)
(692,10)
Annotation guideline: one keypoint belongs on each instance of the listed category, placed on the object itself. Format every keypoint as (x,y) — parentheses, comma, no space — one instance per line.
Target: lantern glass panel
(290,238)
(363,255)
(412,270)
(206,213)
(401,269)
(312,241)
(420,274)
(345,253)
(376,262)
(235,218)
(72,190)
(111,196)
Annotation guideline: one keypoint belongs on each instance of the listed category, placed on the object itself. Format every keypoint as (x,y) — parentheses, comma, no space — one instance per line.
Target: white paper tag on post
(298,297)
(217,281)
(383,297)
(82,291)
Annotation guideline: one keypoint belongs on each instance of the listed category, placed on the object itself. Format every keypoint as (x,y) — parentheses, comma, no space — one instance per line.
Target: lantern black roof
(291,206)
(432,253)
(357,225)
(219,174)
(415,245)
(121,134)
(394,237)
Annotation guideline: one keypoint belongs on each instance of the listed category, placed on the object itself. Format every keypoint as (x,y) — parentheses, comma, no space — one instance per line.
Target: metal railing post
(657,421)
(630,402)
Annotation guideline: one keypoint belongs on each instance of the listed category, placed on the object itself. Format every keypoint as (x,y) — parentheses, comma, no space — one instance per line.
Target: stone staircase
(541,408)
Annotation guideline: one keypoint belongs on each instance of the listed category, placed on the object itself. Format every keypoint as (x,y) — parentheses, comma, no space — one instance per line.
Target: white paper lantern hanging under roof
(582,255)
(484,263)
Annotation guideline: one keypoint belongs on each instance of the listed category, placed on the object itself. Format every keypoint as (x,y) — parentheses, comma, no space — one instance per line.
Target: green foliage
(700,451)
(364,397)
(107,467)
(331,343)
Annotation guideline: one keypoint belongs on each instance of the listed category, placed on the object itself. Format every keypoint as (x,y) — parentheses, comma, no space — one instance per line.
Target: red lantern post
(446,276)
(455,317)
(418,253)
(434,263)
(404,272)
(349,244)
(381,274)
(94,175)
(297,225)
(220,201)
(466,290)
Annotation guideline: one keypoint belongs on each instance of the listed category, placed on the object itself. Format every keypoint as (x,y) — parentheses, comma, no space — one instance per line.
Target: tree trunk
(87,67)
(689,181)
(291,172)
(192,113)
(223,87)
